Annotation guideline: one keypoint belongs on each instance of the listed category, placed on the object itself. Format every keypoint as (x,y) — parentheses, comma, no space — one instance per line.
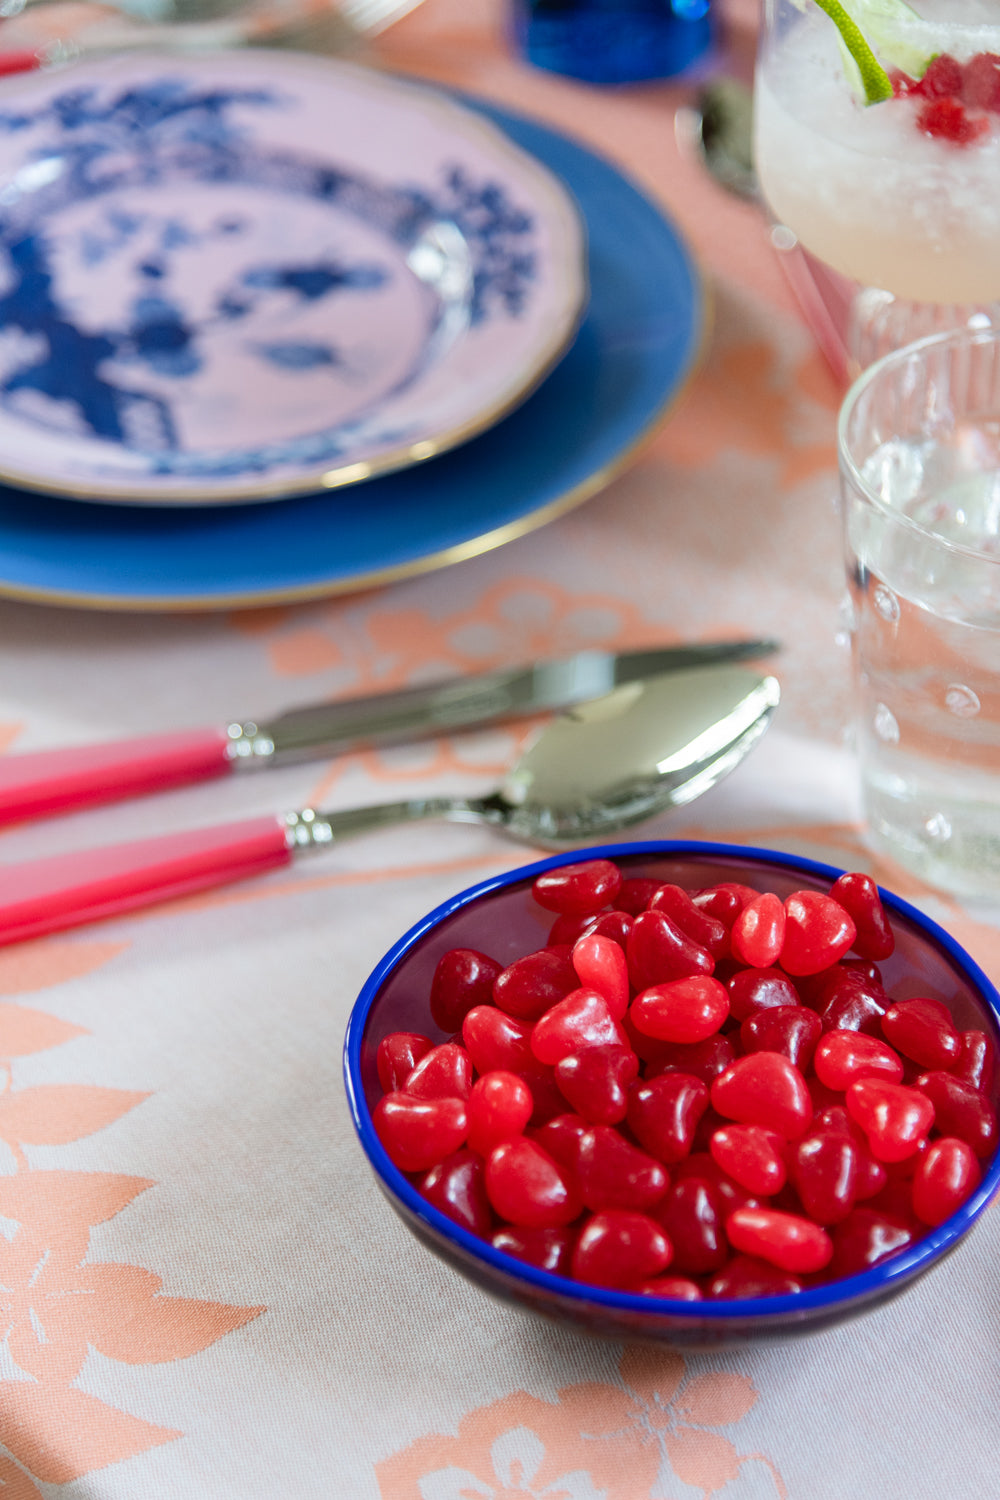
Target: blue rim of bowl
(886,1276)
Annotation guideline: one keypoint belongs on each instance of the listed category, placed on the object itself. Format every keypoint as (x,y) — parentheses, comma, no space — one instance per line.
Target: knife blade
(53,781)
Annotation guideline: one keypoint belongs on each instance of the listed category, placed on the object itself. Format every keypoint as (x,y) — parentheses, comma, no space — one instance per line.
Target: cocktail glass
(887,172)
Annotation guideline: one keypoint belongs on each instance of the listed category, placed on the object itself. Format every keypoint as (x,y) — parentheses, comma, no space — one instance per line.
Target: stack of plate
(415,327)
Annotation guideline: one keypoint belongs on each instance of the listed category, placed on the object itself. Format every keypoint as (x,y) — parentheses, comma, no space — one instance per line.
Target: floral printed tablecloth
(202,1293)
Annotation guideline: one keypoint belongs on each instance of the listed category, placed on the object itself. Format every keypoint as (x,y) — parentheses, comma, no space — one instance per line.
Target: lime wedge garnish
(874,78)
(893,28)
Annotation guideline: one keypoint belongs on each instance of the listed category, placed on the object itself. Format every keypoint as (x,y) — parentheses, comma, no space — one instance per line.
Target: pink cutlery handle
(65,890)
(53,781)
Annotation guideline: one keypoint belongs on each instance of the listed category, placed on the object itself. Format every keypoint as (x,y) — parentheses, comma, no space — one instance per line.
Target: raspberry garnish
(943,79)
(947,120)
(981,82)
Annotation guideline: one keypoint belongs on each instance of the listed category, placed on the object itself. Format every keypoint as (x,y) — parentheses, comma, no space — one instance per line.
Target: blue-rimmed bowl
(500,917)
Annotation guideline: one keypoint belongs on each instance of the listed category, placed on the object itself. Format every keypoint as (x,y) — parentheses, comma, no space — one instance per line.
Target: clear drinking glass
(902,195)
(919,444)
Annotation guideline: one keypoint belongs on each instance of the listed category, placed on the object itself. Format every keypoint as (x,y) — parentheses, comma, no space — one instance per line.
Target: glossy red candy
(614,1174)
(499,1108)
(595,1082)
(895,1118)
(619,1248)
(578,889)
(727,1191)
(747,1276)
(947,1174)
(792,1030)
(764,1089)
(691,1213)
(531,985)
(758,934)
(444,1072)
(658,951)
(922,1029)
(752,1156)
(463,978)
(675,1288)
(548,1249)
(615,925)
(844,1056)
(699,925)
(818,931)
(825,1169)
(852,1001)
(704,1060)
(418,1133)
(859,896)
(682,1010)
(457,1186)
(976,1061)
(561,1137)
(494,1040)
(724,901)
(528,1187)
(788,1241)
(960,1110)
(581,1020)
(397,1055)
(636,892)
(751,990)
(599,963)
(663,1114)
(865,1239)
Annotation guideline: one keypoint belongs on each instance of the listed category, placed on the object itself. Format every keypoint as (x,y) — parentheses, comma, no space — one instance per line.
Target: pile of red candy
(702,1094)
(956,99)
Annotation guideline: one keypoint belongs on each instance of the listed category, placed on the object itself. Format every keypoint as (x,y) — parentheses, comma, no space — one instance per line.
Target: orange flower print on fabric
(595,1442)
(55,1304)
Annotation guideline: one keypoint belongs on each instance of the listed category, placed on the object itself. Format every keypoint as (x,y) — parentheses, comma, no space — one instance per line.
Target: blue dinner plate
(635,348)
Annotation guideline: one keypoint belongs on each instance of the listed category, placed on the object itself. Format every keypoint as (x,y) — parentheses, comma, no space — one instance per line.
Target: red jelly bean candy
(758,933)
(500,1106)
(704,1060)
(792,1030)
(865,1239)
(692,1215)
(578,888)
(818,931)
(751,990)
(463,978)
(859,896)
(418,1133)
(658,951)
(548,1249)
(764,1089)
(663,1114)
(725,901)
(581,1020)
(842,1057)
(700,926)
(528,1187)
(976,1061)
(922,1029)
(637,891)
(825,1167)
(752,1156)
(457,1187)
(600,965)
(683,1010)
(960,1110)
(947,1174)
(614,1174)
(746,1276)
(397,1056)
(595,1082)
(673,1288)
(444,1073)
(849,1000)
(787,1241)
(561,1137)
(619,1248)
(894,1118)
(528,987)
(494,1040)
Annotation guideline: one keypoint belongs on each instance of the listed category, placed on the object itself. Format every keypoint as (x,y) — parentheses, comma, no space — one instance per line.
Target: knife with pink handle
(58,781)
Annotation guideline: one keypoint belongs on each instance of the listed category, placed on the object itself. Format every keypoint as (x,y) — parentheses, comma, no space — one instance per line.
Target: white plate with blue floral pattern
(256,274)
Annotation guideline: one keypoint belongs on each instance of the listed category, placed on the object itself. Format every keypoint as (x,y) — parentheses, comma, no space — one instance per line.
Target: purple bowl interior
(501,918)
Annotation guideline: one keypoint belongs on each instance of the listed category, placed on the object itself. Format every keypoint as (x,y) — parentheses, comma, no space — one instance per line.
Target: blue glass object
(613,41)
